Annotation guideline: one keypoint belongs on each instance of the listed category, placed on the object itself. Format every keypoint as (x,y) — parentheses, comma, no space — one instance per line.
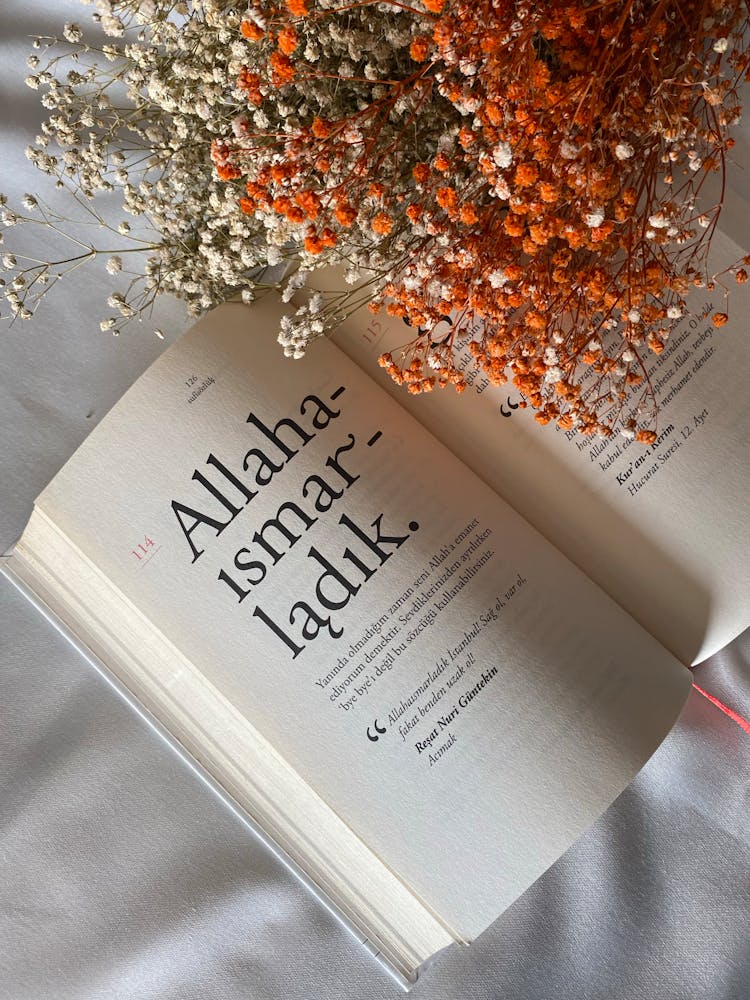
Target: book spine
(7,569)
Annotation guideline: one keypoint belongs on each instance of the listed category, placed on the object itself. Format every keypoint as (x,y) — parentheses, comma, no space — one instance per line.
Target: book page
(464,698)
(663,529)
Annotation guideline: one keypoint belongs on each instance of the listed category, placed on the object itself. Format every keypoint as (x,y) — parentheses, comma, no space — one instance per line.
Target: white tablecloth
(123,876)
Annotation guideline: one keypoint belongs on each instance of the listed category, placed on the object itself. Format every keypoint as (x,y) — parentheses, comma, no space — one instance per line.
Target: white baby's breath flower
(114,265)
(72,33)
(502,154)
(623,150)
(112,26)
(568,150)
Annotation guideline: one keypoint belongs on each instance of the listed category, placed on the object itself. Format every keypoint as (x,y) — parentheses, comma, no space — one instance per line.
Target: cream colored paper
(484,701)
(664,530)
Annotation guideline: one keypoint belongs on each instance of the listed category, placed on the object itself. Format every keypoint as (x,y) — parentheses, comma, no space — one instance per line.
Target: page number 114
(144,549)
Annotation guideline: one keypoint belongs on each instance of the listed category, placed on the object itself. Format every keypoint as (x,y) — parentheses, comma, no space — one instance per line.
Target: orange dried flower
(420,48)
(287,40)
(447,198)
(228,172)
(345,214)
(526,174)
(282,69)
(251,31)
(320,129)
(250,83)
(442,163)
(382,224)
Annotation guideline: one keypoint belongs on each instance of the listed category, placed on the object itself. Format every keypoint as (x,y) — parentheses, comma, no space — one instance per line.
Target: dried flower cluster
(530,170)
(533,172)
(135,117)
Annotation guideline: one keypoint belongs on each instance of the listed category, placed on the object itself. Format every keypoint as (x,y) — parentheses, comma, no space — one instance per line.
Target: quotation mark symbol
(379,730)
(511,406)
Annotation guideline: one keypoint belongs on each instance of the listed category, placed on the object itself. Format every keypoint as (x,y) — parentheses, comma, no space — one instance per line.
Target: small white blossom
(568,150)
(502,154)
(623,150)
(72,33)
(594,218)
(114,265)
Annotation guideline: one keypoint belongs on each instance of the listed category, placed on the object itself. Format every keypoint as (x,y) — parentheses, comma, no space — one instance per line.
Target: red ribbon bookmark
(734,716)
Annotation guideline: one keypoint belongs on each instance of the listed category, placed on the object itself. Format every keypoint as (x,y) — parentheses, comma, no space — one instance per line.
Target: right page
(663,529)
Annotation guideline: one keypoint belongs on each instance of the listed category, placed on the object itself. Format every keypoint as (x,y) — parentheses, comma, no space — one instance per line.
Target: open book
(422,650)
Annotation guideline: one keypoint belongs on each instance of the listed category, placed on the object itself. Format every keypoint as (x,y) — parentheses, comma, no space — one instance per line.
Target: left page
(462,696)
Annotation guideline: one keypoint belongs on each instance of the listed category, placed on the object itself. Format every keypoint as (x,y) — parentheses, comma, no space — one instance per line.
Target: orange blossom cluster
(539,173)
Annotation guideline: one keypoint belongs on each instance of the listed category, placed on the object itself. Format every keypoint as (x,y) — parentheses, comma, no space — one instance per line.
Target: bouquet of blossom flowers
(527,178)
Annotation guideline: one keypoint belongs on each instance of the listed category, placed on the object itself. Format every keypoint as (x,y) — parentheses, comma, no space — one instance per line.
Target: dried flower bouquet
(538,175)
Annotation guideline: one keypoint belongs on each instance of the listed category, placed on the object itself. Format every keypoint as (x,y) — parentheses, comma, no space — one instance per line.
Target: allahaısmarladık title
(225,494)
